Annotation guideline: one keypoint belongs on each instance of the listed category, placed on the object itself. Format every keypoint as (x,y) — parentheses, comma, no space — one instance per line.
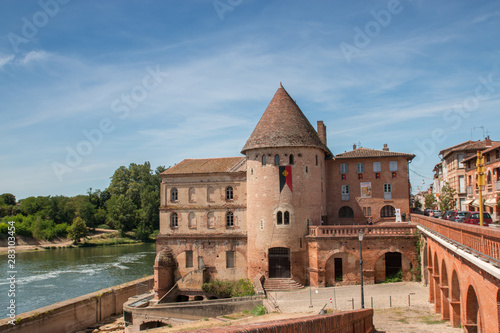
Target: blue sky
(88,86)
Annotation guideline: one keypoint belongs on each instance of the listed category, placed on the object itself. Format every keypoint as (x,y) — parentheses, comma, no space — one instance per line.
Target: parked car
(436,213)
(458,216)
(417,211)
(473,218)
(447,214)
(427,211)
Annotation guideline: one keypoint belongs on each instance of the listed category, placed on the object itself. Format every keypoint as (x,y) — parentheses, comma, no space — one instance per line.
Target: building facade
(453,169)
(251,216)
(491,191)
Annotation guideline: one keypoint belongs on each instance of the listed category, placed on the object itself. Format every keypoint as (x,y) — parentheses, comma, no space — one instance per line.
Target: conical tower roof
(284,125)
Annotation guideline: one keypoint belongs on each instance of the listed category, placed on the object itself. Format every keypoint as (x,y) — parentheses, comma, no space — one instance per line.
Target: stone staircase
(281,284)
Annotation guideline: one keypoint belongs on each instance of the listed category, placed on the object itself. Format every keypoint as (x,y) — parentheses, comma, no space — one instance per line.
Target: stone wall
(77,313)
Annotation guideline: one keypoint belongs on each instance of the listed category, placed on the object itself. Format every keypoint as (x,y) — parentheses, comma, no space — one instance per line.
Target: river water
(51,276)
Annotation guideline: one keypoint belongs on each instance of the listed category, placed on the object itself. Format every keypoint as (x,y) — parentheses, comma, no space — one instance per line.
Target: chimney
(487,141)
(354,147)
(385,147)
(321,131)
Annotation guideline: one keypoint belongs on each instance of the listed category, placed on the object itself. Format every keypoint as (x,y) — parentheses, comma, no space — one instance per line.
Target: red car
(473,218)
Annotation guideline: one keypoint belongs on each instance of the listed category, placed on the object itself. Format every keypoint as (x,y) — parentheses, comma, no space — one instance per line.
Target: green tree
(121,213)
(77,230)
(8,199)
(447,197)
(417,203)
(430,201)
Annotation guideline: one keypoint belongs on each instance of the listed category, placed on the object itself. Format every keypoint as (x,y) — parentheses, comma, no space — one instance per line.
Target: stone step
(281,284)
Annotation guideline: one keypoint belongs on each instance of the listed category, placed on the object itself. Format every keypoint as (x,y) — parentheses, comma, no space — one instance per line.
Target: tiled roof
(494,145)
(208,165)
(467,145)
(367,152)
(283,125)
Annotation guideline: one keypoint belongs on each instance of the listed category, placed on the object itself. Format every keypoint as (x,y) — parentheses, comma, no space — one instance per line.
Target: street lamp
(360,237)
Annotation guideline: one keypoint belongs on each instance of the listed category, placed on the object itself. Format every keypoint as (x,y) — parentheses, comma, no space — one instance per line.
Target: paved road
(394,312)
(341,298)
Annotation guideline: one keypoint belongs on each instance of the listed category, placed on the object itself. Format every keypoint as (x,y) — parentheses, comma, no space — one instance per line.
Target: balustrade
(353,230)
(481,239)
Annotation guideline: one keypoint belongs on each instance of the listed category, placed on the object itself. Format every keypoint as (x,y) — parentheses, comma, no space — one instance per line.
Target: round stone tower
(164,270)
(285,186)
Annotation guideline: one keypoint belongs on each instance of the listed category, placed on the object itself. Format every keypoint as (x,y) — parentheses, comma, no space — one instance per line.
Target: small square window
(377,167)
(393,166)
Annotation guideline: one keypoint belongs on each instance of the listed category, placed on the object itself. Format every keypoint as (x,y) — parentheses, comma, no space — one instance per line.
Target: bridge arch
(437,285)
(152,324)
(431,279)
(445,292)
(472,311)
(455,317)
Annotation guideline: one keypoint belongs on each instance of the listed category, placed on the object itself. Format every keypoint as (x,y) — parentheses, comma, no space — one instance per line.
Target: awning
(475,203)
(468,202)
(490,202)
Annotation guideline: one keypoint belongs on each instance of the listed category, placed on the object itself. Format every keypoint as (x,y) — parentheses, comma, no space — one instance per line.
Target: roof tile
(208,165)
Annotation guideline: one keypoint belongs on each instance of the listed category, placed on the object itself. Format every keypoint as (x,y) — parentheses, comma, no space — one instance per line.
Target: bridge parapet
(483,240)
(387,229)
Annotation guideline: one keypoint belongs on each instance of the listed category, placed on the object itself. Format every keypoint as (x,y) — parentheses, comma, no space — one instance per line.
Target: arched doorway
(346,212)
(444,292)
(393,266)
(388,211)
(279,262)
(339,269)
(472,311)
(455,300)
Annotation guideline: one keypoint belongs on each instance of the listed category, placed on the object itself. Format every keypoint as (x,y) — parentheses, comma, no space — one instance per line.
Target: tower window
(229,193)
(173,195)
(317,162)
(229,219)
(263,159)
(291,159)
(276,159)
(279,218)
(287,218)
(174,220)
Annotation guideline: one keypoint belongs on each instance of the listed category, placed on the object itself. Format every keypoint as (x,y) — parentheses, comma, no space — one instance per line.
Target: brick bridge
(461,264)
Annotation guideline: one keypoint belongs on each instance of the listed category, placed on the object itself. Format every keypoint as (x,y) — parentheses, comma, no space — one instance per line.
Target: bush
(258,310)
(103,226)
(226,289)
(398,277)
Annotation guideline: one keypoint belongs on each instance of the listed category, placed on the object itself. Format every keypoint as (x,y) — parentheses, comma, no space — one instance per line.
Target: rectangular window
(189,259)
(343,168)
(387,191)
(497,154)
(338,269)
(460,158)
(345,192)
(487,157)
(360,167)
(230,259)
(377,167)
(367,211)
(393,166)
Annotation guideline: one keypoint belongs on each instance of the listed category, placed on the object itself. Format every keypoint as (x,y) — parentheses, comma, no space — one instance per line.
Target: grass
(431,320)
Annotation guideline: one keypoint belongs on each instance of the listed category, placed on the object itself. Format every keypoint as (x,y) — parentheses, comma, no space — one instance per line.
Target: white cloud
(5,60)
(35,56)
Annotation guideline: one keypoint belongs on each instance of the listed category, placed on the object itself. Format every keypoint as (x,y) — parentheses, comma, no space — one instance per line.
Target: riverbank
(97,238)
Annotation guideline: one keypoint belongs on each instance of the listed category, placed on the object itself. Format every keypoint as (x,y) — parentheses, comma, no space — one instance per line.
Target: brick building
(491,191)
(452,168)
(251,216)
